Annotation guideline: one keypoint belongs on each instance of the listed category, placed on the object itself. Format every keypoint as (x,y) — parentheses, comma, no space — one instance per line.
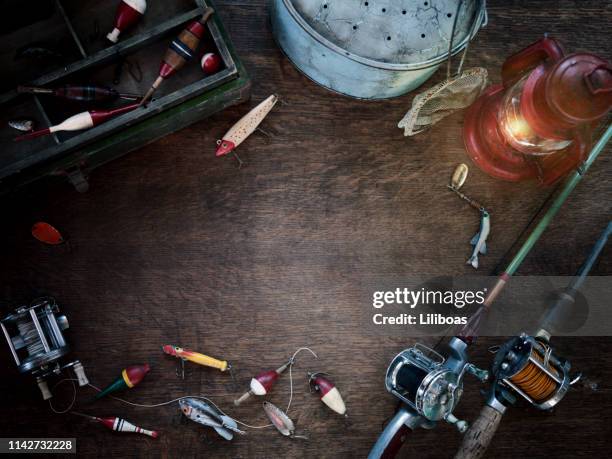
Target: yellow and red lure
(196,357)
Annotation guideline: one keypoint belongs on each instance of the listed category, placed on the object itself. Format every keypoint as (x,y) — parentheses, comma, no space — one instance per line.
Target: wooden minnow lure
(80,121)
(330,395)
(280,420)
(239,132)
(46,233)
(196,357)
(130,376)
(263,382)
(79,93)
(120,425)
(128,14)
(22,125)
(479,241)
(181,50)
(201,412)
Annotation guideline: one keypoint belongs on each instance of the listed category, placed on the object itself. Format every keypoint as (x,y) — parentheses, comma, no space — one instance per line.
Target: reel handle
(477,438)
(396,432)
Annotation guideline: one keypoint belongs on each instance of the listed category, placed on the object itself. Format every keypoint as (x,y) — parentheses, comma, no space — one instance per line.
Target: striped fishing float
(80,121)
(128,14)
(120,425)
(181,50)
(79,93)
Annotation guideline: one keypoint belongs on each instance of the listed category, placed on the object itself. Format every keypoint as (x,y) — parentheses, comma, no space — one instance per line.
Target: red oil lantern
(538,122)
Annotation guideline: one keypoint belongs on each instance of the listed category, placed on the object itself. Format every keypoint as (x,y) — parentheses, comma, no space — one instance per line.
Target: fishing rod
(415,372)
(526,366)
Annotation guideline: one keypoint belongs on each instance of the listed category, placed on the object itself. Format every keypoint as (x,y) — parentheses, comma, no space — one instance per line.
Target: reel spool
(35,338)
(430,384)
(528,367)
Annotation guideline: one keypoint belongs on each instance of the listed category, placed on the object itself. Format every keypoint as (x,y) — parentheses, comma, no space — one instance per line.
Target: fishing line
(291,374)
(72,402)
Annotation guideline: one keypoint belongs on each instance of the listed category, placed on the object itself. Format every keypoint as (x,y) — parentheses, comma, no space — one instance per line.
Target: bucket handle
(481,9)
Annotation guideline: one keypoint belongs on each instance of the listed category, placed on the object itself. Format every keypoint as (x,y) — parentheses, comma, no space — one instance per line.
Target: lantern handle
(518,64)
(593,87)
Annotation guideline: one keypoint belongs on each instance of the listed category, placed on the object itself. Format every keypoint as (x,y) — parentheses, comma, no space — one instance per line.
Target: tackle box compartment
(70,48)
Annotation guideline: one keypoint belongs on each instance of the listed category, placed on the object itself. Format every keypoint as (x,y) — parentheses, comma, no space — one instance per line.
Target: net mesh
(443,99)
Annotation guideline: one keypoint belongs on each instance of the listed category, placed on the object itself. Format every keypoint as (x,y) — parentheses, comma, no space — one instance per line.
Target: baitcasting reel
(523,366)
(34,335)
(526,366)
(429,384)
(430,387)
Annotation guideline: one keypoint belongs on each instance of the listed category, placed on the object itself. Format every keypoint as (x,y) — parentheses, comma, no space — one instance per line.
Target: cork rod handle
(476,440)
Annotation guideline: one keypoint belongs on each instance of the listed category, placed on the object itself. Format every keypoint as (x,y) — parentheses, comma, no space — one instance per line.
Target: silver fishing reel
(34,335)
(430,384)
(528,367)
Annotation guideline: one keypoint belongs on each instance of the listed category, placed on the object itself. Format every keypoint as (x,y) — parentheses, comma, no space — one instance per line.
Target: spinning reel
(430,387)
(34,335)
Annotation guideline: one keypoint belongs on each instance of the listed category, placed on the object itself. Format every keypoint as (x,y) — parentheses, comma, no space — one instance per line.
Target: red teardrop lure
(47,234)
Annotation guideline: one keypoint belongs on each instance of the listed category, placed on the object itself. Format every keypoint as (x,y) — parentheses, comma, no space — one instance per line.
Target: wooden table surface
(172,245)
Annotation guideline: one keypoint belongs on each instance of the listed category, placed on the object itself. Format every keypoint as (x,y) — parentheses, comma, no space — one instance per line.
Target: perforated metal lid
(390,34)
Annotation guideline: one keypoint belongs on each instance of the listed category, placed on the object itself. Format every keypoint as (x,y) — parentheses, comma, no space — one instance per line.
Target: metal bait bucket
(373,49)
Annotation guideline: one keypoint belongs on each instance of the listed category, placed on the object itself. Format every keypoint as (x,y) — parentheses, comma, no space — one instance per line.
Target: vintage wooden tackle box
(75,33)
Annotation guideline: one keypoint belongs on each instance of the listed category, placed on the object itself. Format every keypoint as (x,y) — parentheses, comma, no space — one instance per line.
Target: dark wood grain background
(172,245)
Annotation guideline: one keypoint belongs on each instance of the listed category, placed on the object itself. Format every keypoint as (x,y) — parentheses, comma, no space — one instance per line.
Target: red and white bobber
(262,383)
(330,395)
(211,63)
(128,14)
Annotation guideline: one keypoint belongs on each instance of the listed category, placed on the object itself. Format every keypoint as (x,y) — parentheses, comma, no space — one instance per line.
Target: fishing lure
(196,357)
(479,241)
(80,121)
(22,125)
(181,50)
(201,412)
(280,420)
(119,425)
(130,376)
(458,178)
(263,382)
(330,395)
(128,14)
(79,93)
(47,234)
(239,132)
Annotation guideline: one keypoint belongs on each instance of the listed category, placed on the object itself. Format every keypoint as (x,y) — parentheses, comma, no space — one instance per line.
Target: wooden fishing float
(119,425)
(80,121)
(128,14)
(130,377)
(263,382)
(80,93)
(181,50)
(329,393)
